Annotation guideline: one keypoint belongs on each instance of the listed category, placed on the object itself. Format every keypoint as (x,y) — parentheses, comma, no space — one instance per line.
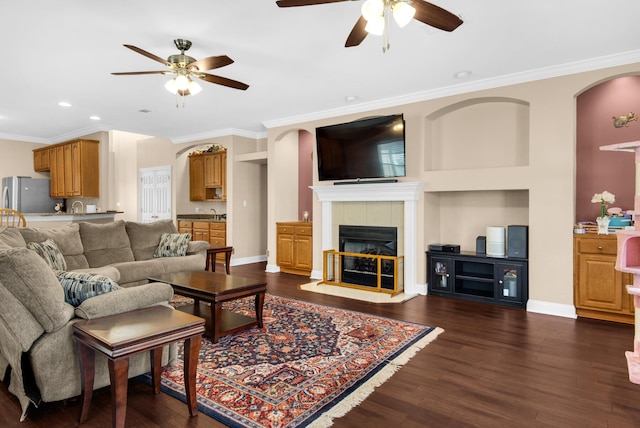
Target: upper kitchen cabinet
(207,176)
(41,160)
(74,168)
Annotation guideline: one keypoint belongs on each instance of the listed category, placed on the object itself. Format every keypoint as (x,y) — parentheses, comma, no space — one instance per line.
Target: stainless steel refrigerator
(27,195)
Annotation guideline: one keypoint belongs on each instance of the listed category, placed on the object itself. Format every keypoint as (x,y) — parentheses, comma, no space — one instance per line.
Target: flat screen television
(363,149)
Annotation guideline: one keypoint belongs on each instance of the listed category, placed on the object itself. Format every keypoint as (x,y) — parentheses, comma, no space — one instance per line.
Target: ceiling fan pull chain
(385,33)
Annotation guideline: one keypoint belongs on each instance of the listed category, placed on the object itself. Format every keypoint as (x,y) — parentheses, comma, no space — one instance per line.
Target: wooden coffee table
(122,335)
(216,288)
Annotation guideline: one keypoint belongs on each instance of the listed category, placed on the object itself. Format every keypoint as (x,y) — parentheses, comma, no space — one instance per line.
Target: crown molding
(220,133)
(565,69)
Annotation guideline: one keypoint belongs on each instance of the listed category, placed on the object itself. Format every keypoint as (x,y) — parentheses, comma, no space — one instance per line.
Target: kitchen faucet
(73,207)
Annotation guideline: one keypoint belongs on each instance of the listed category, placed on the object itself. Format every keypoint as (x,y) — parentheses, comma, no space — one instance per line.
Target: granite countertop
(202,217)
(59,214)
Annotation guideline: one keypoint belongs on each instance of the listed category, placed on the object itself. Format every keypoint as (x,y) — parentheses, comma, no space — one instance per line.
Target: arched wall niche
(297,145)
(597,170)
(491,132)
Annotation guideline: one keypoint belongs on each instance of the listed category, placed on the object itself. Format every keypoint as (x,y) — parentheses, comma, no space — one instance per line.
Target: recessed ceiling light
(64,104)
(94,117)
(462,74)
(350,98)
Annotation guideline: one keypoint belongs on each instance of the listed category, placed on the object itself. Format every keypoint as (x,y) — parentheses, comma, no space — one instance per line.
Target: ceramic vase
(603,225)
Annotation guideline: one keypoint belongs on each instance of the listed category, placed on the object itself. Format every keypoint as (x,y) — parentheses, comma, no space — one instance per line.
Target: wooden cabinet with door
(41,160)
(599,289)
(74,168)
(295,247)
(207,176)
(213,232)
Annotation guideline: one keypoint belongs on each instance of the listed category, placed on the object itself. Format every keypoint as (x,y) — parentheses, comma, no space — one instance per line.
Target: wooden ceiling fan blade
(127,73)
(223,81)
(211,62)
(358,33)
(148,55)
(294,3)
(435,16)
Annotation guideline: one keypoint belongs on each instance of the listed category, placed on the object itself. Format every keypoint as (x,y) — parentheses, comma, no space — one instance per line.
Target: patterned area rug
(309,364)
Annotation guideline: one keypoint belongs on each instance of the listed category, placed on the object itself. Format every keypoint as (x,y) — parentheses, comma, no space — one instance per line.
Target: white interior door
(155,194)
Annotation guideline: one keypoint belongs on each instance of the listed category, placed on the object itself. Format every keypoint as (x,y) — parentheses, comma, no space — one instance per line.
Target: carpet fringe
(359,395)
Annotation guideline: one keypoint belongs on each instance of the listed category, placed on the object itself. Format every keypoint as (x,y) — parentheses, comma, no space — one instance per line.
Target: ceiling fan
(376,13)
(186,68)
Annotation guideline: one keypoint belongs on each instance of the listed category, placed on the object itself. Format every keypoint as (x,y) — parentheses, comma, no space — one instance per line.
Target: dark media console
(473,276)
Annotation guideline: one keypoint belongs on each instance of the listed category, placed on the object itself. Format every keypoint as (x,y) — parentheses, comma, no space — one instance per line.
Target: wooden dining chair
(9,217)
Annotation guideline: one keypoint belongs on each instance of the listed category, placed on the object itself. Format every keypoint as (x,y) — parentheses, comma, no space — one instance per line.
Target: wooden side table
(211,258)
(119,336)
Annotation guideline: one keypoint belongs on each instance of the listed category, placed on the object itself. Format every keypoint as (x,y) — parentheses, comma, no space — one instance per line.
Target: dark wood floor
(492,367)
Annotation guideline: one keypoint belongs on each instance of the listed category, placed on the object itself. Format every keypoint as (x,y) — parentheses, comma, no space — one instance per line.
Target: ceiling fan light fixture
(171,86)
(372,9)
(403,13)
(182,82)
(376,26)
(194,88)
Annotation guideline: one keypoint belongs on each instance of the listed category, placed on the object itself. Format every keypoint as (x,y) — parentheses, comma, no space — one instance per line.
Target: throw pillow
(79,286)
(173,245)
(50,252)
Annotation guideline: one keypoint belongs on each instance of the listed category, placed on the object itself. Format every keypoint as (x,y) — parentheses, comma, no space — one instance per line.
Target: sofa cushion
(50,253)
(105,244)
(186,263)
(28,277)
(145,237)
(108,271)
(173,245)
(10,237)
(18,320)
(67,238)
(137,271)
(79,286)
(125,299)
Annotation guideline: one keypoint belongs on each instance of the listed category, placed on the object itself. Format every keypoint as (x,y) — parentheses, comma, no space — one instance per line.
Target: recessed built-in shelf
(480,133)
(254,157)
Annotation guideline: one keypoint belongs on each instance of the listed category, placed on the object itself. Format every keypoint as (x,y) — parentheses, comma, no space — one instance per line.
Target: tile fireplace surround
(408,193)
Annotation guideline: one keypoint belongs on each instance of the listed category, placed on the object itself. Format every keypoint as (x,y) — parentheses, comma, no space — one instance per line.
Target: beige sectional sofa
(37,353)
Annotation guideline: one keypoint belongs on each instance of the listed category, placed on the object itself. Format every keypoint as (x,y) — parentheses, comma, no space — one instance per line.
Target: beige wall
(535,185)
(17,159)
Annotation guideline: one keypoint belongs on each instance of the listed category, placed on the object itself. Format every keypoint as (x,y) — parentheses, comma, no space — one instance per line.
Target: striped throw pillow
(79,286)
(50,252)
(173,245)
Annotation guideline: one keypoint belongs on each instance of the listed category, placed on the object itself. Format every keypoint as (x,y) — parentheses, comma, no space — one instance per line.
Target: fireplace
(374,240)
(406,192)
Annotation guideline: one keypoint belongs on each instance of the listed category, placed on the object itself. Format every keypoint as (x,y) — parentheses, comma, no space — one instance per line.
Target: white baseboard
(271,268)
(248,260)
(549,308)
(416,289)
(316,274)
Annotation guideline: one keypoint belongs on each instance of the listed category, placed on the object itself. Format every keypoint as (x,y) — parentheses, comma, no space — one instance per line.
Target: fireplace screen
(374,240)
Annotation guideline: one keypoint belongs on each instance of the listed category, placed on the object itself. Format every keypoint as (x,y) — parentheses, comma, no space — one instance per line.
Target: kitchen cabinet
(599,289)
(213,232)
(208,176)
(74,168)
(294,251)
(41,160)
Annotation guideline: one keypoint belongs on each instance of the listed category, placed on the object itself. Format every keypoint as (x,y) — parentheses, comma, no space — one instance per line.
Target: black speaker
(517,241)
(481,244)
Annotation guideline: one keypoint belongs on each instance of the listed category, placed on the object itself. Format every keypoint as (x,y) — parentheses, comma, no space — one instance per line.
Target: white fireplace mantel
(407,192)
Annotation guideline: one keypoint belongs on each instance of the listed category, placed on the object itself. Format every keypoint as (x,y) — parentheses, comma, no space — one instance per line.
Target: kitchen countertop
(202,217)
(69,217)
